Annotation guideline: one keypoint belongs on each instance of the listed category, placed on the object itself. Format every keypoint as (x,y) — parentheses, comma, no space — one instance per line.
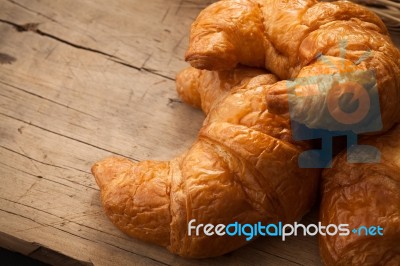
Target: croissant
(290,39)
(242,167)
(364,196)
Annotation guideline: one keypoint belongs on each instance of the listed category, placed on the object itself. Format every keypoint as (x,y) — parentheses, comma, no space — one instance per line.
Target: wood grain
(82,80)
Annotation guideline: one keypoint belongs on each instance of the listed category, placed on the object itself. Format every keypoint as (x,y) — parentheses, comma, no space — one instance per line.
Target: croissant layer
(365,195)
(292,37)
(242,168)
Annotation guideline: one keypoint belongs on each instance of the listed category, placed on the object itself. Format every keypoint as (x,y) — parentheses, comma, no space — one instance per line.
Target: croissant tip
(106,170)
(199,62)
(189,56)
(210,61)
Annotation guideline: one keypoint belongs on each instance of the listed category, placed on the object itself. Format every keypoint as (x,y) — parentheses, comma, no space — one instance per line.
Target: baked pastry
(364,195)
(242,168)
(288,38)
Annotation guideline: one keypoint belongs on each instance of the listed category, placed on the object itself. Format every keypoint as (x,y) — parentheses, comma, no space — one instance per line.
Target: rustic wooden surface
(82,80)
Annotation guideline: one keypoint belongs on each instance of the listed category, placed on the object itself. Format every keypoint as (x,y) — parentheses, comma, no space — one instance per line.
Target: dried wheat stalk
(388,10)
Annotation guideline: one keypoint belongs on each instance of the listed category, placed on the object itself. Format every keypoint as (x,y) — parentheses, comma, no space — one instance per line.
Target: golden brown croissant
(288,38)
(243,167)
(364,195)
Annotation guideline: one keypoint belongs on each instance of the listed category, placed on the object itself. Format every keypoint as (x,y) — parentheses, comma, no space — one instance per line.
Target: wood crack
(152,71)
(33,27)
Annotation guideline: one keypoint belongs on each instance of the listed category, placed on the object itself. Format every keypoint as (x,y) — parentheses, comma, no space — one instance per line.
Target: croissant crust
(242,167)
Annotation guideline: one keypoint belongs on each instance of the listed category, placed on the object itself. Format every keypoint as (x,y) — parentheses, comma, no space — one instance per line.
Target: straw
(388,10)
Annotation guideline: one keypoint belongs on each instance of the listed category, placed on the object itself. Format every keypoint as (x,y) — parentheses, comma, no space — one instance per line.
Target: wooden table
(82,80)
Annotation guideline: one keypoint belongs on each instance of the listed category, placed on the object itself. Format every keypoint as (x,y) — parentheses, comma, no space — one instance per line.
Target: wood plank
(43,202)
(93,79)
(150,36)
(39,113)
(79,82)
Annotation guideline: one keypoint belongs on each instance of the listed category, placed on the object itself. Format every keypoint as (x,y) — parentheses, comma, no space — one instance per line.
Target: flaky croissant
(364,195)
(288,38)
(243,167)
